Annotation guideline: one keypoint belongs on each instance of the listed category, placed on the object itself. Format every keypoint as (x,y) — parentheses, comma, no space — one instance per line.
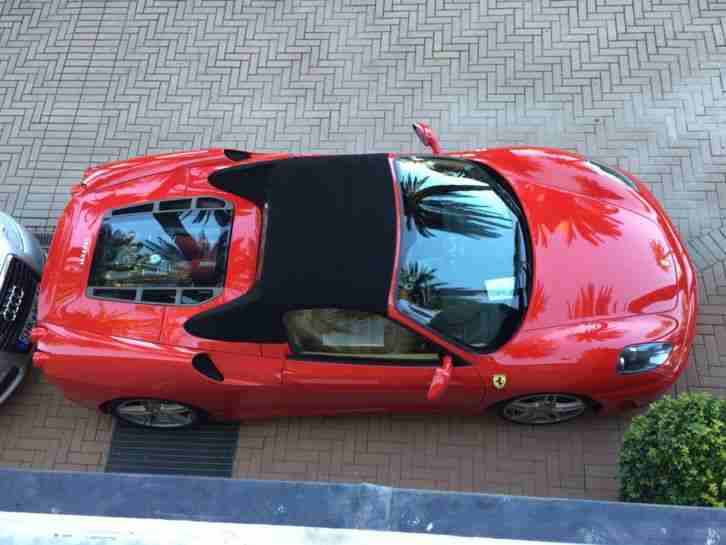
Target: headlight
(10,232)
(643,357)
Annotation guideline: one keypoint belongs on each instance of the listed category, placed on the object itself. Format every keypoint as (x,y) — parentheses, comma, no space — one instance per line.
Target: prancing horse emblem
(499,381)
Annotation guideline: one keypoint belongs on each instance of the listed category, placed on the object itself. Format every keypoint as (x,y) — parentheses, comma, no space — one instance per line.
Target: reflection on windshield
(449,207)
(463,257)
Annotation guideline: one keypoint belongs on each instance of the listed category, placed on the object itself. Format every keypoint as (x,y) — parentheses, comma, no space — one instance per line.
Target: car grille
(17,295)
(8,379)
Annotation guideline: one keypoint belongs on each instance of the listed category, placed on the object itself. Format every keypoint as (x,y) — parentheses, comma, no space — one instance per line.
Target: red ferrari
(235,285)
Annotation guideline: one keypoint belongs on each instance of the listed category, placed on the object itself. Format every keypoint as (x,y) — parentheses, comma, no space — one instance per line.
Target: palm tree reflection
(596,331)
(418,284)
(591,187)
(589,303)
(139,253)
(574,216)
(444,207)
(538,302)
(592,303)
(661,255)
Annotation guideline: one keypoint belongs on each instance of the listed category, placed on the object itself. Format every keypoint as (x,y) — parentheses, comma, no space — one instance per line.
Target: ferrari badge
(499,381)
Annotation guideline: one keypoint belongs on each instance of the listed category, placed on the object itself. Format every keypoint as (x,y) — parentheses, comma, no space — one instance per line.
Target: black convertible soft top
(330,242)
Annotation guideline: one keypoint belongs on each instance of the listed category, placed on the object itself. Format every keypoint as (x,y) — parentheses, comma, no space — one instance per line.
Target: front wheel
(156,413)
(543,408)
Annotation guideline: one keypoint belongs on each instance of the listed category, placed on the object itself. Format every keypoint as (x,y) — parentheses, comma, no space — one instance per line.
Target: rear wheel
(156,413)
(543,408)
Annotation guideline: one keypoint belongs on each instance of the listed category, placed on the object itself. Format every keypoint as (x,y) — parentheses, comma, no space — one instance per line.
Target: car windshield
(463,265)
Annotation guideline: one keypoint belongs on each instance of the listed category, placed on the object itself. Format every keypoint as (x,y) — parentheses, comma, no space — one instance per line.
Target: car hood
(593,259)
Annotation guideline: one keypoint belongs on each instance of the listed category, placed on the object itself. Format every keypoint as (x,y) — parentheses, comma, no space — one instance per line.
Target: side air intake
(204,364)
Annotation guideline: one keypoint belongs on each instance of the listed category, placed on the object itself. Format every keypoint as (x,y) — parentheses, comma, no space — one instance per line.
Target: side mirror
(427,136)
(441,379)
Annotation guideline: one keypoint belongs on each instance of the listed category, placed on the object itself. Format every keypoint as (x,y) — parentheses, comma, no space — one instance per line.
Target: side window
(354,334)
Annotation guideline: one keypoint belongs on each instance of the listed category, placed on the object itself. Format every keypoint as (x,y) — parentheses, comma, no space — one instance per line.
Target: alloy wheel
(543,408)
(156,413)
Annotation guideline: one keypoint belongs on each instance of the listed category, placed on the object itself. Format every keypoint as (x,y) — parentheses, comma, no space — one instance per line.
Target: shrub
(676,453)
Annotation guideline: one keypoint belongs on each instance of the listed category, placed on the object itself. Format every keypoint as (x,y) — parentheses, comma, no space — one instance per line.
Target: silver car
(21,263)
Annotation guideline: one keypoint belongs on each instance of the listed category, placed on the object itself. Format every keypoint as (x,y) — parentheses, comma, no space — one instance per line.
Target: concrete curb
(367,507)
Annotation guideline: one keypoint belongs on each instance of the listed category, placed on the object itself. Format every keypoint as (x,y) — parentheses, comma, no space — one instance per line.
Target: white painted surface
(42,529)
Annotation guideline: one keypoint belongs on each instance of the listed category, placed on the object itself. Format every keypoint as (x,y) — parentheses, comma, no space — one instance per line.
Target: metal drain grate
(207,450)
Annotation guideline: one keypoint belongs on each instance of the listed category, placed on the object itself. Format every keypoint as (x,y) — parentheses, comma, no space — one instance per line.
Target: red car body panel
(588,245)
(609,271)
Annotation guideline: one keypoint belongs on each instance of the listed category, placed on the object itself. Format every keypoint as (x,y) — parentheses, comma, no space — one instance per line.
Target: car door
(349,361)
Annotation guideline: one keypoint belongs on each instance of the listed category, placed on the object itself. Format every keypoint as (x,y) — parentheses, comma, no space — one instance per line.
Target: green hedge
(676,453)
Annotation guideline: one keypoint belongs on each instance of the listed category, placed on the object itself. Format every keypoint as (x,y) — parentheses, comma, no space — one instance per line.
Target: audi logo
(12,304)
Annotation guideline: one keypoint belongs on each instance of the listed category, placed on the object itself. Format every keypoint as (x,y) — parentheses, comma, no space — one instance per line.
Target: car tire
(543,409)
(156,413)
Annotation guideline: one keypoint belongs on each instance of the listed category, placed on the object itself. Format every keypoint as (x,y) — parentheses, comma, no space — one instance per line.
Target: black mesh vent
(210,202)
(192,297)
(179,204)
(165,296)
(134,209)
(112,293)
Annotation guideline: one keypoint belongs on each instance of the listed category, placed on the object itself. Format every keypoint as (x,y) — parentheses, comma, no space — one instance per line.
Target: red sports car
(234,285)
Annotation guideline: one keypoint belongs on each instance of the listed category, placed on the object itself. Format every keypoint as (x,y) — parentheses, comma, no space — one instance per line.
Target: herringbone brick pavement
(636,83)
(40,429)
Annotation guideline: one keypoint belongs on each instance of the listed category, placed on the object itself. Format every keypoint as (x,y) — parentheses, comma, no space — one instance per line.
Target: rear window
(167,252)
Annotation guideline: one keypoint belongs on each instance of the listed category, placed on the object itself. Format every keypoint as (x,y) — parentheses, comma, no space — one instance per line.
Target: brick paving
(40,429)
(635,83)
